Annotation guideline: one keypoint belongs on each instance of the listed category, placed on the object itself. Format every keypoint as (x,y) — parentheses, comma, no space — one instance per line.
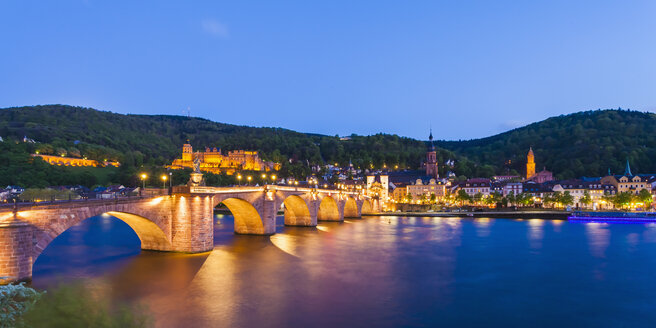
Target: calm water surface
(376,271)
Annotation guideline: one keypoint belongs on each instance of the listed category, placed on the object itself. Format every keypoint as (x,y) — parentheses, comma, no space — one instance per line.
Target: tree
(15,300)
(423,198)
(645,197)
(408,198)
(496,197)
(510,198)
(586,199)
(463,197)
(525,199)
(77,306)
(478,197)
(548,199)
(557,198)
(623,199)
(608,199)
(567,199)
(489,200)
(433,198)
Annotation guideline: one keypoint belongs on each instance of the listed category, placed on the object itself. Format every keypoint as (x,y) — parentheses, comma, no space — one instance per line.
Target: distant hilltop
(585,143)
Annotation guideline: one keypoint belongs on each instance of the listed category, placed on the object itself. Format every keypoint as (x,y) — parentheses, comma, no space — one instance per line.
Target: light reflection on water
(377,271)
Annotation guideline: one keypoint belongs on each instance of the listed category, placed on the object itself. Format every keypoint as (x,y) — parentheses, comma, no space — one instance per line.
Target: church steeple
(431,158)
(627,169)
(530,163)
(430,139)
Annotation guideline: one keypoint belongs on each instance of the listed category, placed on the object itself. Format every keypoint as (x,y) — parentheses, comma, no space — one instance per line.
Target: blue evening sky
(469,68)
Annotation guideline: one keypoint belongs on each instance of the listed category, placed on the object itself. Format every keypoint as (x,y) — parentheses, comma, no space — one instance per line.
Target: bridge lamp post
(273,178)
(144,176)
(239,178)
(249,179)
(164,178)
(263,178)
(170,183)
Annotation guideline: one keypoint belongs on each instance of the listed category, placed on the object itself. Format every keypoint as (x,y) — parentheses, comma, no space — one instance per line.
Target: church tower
(530,164)
(187,152)
(431,159)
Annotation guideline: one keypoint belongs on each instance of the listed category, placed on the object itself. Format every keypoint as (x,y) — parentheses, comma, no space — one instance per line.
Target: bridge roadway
(180,222)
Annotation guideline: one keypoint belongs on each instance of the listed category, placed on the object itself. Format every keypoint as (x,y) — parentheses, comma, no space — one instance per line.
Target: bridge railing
(243,189)
(16,203)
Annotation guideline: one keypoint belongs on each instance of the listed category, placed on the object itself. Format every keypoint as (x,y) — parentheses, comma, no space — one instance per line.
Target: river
(375,272)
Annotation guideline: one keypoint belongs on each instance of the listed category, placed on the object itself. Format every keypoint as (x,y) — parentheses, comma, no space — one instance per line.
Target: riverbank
(550,215)
(527,214)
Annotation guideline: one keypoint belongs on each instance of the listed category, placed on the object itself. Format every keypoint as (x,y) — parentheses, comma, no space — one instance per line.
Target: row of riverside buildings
(422,186)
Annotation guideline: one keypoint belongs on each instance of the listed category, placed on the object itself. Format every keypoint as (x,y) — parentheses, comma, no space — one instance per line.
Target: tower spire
(430,139)
(530,164)
(627,169)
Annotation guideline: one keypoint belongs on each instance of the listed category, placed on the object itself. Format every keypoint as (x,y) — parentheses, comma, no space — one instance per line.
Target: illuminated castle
(213,161)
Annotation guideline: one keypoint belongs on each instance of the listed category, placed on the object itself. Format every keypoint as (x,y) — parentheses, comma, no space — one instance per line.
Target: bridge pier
(192,223)
(268,213)
(16,248)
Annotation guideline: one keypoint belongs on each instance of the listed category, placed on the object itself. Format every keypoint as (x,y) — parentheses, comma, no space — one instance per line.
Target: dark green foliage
(580,144)
(575,145)
(76,306)
(17,167)
(144,142)
(158,139)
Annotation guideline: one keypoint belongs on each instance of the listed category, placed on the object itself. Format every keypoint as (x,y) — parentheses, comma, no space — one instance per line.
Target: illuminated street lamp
(239,178)
(143,177)
(273,178)
(164,178)
(249,179)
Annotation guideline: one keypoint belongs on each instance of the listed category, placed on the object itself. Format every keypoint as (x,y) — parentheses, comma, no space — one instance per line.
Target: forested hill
(158,139)
(580,144)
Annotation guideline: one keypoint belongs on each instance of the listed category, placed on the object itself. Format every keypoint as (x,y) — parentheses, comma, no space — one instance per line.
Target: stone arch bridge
(180,222)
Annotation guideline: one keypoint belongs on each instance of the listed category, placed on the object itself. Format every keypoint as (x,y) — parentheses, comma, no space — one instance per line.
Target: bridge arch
(367,208)
(328,210)
(150,234)
(297,212)
(247,218)
(351,208)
